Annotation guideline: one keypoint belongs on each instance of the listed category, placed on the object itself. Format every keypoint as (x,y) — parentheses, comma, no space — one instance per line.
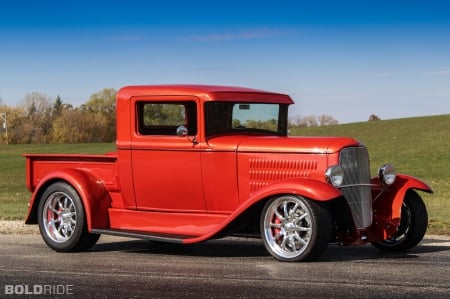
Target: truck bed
(38,166)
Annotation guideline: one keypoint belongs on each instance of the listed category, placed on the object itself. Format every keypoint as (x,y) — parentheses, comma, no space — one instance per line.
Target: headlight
(387,174)
(335,175)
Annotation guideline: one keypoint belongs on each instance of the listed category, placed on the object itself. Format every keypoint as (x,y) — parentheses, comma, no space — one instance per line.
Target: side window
(163,118)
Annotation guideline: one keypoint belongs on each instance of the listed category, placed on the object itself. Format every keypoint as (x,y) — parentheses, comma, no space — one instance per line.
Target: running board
(143,235)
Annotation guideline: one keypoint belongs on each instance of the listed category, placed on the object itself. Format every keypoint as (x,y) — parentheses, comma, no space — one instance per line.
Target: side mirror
(182,131)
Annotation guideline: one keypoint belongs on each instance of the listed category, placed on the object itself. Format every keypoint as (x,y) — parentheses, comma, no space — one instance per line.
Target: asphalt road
(118,267)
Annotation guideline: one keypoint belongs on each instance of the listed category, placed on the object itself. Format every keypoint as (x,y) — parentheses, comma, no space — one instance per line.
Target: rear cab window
(163,118)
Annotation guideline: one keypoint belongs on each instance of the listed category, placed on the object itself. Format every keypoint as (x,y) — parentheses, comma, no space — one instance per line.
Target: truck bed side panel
(102,166)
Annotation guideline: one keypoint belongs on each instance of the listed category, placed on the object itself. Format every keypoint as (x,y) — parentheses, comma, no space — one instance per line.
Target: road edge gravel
(9,227)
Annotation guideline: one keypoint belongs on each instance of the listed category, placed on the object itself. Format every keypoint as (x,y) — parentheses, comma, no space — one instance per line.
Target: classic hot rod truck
(197,162)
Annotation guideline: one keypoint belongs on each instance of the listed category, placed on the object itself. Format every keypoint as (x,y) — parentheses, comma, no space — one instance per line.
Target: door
(167,168)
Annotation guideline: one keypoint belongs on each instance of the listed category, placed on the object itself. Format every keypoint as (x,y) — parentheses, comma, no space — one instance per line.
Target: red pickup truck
(198,162)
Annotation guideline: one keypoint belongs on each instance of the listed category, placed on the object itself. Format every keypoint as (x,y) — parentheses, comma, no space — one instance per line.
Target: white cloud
(443,72)
(263,33)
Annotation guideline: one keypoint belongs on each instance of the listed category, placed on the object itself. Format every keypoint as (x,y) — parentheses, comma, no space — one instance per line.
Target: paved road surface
(118,267)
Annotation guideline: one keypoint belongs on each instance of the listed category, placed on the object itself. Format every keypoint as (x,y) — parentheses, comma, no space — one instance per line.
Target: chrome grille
(356,186)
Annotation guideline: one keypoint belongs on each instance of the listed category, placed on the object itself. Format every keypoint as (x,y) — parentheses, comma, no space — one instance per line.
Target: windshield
(236,117)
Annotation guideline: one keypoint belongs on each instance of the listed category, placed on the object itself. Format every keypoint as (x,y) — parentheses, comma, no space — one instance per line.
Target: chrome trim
(357,186)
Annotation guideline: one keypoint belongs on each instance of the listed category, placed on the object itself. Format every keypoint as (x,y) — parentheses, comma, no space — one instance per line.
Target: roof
(210,92)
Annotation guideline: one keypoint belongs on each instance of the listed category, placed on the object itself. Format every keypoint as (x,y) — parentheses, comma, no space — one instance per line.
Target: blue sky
(348,59)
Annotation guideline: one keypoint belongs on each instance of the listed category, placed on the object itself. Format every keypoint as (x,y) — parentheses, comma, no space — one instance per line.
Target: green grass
(416,146)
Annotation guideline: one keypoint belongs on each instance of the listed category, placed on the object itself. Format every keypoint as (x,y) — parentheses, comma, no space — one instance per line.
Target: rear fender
(388,202)
(312,189)
(94,196)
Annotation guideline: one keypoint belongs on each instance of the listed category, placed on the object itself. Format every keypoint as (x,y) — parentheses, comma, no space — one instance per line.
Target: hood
(275,144)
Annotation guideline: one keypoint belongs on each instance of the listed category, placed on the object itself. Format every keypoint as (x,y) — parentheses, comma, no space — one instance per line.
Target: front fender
(94,196)
(309,188)
(312,189)
(388,202)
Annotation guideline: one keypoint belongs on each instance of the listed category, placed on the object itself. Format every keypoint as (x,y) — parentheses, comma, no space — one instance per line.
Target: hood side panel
(260,170)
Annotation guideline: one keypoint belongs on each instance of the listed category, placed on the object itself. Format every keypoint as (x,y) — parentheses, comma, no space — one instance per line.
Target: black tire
(294,228)
(62,220)
(413,225)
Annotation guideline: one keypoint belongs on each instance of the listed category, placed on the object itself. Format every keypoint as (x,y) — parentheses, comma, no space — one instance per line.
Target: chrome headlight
(335,175)
(387,174)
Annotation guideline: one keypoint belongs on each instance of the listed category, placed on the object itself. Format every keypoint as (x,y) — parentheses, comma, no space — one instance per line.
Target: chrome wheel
(62,220)
(287,227)
(294,228)
(59,217)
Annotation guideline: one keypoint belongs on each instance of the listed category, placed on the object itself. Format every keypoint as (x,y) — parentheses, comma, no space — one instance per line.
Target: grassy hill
(416,146)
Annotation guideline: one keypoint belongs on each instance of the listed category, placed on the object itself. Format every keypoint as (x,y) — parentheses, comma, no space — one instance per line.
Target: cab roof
(206,92)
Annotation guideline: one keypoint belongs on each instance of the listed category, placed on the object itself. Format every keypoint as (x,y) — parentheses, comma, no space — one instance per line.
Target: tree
(57,106)
(164,114)
(102,106)
(373,117)
(312,121)
(17,125)
(76,126)
(37,121)
(326,120)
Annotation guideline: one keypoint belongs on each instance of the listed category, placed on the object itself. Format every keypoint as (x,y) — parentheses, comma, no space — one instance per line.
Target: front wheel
(294,228)
(413,225)
(62,221)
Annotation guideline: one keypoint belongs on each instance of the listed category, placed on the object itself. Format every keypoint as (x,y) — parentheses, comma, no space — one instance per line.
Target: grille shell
(356,185)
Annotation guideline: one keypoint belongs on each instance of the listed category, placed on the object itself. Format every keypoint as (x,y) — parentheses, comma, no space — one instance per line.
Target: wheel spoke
(300,239)
(283,244)
(285,210)
(303,216)
(66,202)
(275,225)
(277,236)
(303,229)
(279,215)
(293,210)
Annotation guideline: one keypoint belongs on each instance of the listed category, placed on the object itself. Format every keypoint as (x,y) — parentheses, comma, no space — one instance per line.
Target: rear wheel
(413,225)
(62,221)
(294,228)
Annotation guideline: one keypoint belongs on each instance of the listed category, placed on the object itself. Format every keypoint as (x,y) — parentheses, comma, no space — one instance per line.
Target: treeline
(312,121)
(40,119)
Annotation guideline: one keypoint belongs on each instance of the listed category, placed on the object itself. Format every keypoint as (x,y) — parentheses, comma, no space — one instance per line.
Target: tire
(294,228)
(62,220)
(413,225)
